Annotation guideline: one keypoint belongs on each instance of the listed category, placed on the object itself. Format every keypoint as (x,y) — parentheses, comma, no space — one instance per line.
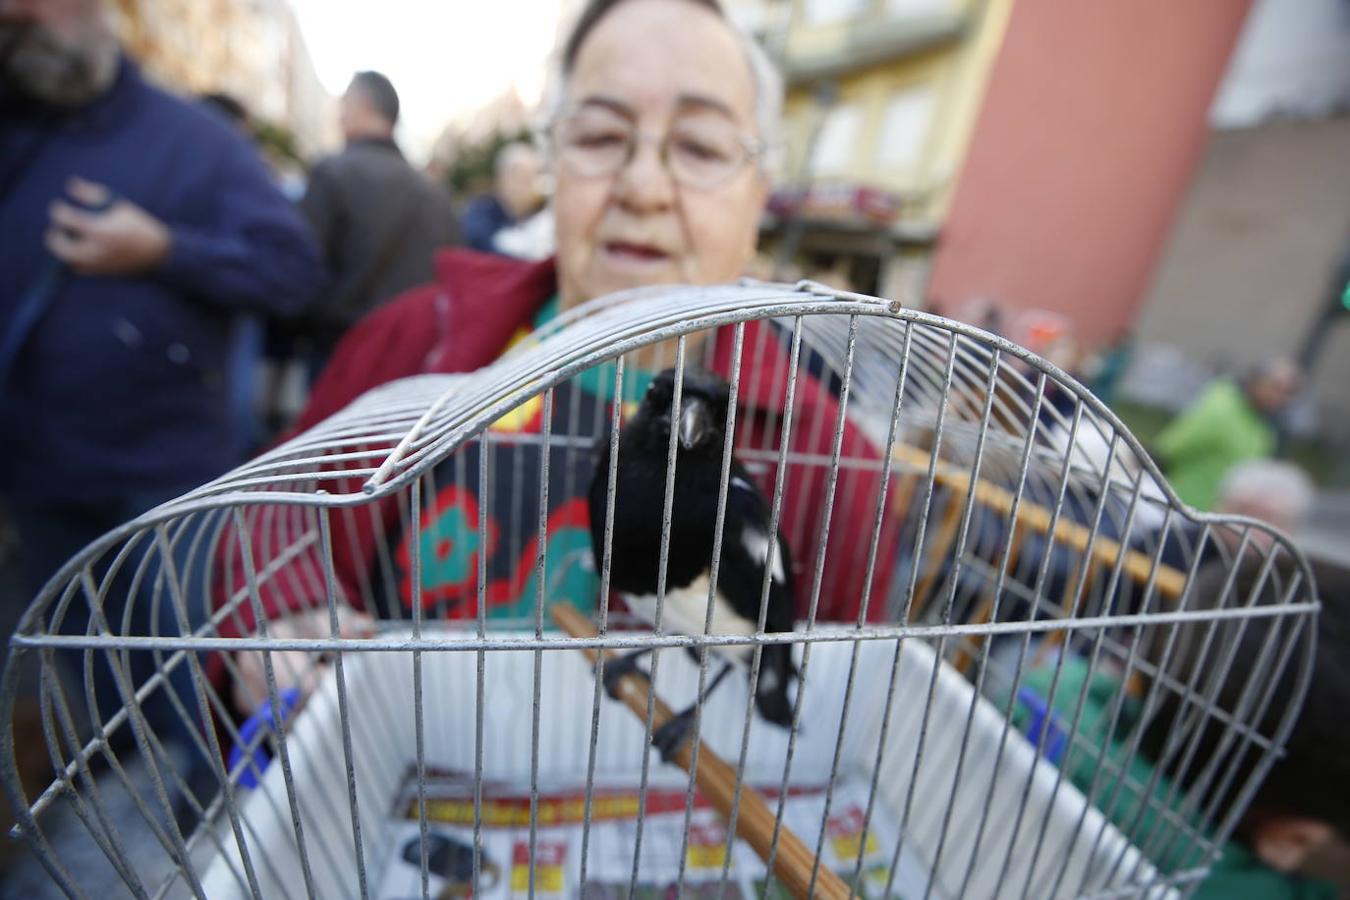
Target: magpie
(747,547)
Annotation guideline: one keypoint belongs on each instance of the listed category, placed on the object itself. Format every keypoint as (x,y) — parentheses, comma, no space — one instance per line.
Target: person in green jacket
(1228,423)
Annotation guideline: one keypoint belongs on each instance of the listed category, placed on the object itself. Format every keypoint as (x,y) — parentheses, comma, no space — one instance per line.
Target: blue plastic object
(248,736)
(1040,715)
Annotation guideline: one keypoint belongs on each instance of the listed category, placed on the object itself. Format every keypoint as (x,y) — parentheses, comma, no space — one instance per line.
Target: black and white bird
(747,547)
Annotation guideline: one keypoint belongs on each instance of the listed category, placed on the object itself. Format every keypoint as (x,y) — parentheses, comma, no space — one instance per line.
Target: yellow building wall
(955,72)
(182,43)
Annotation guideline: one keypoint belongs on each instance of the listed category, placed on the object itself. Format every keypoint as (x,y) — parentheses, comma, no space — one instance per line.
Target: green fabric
(1236,875)
(1218,431)
(1126,805)
(598,380)
(548,312)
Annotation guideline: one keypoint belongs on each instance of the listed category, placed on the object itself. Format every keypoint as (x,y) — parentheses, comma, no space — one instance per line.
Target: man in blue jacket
(135,229)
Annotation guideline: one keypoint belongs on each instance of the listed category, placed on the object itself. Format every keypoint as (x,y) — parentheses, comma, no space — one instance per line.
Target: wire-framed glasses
(700,150)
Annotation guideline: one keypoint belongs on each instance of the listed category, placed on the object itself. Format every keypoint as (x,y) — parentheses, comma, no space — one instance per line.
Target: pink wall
(1094,117)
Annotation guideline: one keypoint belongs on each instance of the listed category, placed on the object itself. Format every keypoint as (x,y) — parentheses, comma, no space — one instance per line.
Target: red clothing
(458,323)
(464,321)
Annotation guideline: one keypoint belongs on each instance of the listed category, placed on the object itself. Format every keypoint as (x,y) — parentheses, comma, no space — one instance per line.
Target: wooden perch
(716,780)
(1137,566)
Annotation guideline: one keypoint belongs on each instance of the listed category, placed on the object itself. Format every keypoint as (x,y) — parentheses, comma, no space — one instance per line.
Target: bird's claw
(671,736)
(616,669)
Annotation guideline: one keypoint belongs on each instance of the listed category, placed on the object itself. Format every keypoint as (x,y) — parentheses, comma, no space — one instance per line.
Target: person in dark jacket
(378,220)
(137,227)
(514,198)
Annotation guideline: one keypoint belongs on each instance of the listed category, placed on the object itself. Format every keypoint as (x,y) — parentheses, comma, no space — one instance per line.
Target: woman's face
(655,64)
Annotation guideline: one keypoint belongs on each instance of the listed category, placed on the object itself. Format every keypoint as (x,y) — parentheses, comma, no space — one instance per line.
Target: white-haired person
(661,122)
(1276,492)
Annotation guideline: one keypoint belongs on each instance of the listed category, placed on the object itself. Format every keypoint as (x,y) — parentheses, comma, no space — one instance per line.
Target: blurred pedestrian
(515,197)
(1104,369)
(1231,421)
(983,312)
(136,227)
(378,220)
(249,365)
(533,239)
(231,108)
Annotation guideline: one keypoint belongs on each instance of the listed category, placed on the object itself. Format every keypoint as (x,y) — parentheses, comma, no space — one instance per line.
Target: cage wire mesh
(1024,669)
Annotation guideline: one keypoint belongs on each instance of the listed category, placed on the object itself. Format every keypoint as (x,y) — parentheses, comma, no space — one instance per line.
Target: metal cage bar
(981,541)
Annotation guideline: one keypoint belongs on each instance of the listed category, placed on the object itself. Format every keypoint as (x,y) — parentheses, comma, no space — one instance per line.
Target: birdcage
(371,661)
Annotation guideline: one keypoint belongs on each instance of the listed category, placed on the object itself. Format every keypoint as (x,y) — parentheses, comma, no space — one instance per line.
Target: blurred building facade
(1087,137)
(1253,266)
(882,96)
(251,49)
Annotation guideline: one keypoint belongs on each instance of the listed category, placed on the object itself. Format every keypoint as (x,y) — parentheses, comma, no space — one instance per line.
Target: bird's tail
(776,672)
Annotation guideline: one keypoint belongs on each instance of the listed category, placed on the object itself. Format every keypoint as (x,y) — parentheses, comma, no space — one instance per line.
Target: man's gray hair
(1272,489)
(768,94)
(379,93)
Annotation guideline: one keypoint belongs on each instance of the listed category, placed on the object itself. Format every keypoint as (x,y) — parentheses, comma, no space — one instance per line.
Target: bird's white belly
(684,611)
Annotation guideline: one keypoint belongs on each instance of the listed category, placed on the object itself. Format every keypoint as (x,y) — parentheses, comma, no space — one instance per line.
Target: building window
(825,12)
(838,137)
(904,128)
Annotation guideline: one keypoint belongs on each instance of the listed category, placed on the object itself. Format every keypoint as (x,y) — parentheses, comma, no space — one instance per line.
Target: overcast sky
(445,57)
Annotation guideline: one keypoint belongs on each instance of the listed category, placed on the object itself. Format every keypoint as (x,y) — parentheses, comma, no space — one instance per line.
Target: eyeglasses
(700,150)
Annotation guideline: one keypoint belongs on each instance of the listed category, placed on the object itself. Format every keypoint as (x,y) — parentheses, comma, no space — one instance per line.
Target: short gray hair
(767,80)
(379,92)
(1281,488)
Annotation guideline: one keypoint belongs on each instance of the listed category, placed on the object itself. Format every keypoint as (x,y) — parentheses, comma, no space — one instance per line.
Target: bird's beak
(694,424)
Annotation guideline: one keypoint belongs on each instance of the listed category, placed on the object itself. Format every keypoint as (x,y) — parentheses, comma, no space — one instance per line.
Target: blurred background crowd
(1154,196)
(1178,214)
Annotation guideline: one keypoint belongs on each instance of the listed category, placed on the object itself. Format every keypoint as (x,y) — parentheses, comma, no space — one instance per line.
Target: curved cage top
(936,487)
(398,429)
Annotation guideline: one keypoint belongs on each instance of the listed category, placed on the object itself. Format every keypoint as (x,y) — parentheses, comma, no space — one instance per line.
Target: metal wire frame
(959,415)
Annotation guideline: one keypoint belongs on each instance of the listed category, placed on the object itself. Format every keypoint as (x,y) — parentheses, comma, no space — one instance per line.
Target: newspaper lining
(505,869)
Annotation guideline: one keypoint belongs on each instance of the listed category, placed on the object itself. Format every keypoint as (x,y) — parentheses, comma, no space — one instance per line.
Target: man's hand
(120,240)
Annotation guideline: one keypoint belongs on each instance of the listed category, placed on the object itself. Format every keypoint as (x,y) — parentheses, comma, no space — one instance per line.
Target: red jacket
(462,322)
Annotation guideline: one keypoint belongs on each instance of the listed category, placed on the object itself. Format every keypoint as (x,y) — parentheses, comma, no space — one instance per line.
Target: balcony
(868,41)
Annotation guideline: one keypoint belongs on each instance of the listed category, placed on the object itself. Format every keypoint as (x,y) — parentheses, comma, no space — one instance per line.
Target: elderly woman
(663,112)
